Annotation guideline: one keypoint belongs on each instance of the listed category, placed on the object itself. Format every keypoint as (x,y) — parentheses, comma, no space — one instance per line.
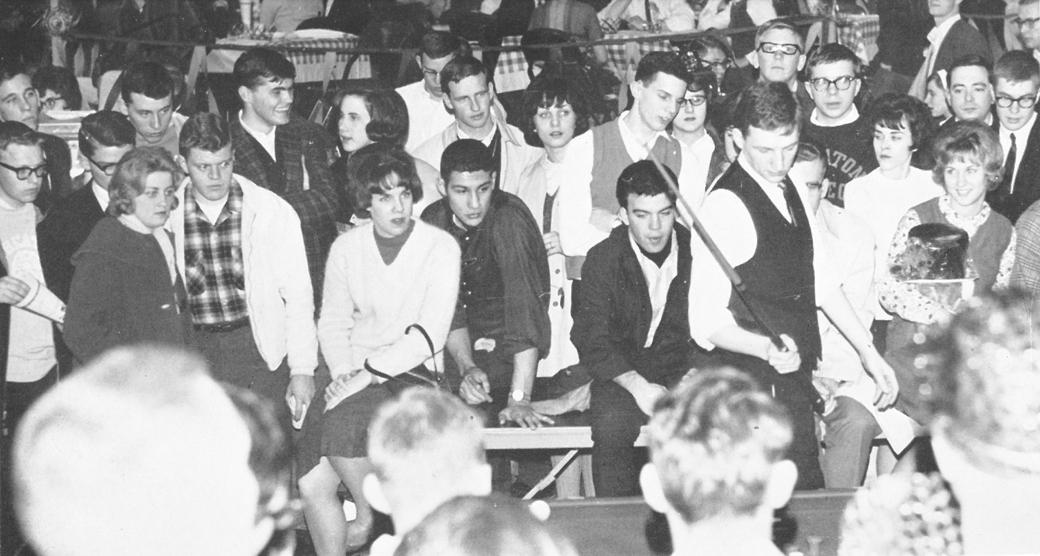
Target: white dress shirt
(427,115)
(729,223)
(658,280)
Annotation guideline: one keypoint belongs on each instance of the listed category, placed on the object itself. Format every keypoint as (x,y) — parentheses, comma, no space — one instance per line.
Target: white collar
(938,33)
(636,149)
(761,181)
(101,194)
(463,135)
(253,132)
(851,116)
(1022,135)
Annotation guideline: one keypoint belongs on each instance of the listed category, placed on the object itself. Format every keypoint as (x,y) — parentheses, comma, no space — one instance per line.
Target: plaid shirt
(213,261)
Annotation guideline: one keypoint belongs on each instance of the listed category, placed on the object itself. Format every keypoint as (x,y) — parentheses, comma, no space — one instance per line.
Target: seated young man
(717,466)
(630,325)
(501,326)
(426,448)
(148,91)
(833,81)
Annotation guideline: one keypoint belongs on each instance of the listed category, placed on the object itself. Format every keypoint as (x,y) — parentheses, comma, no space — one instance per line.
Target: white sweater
(367,305)
(881,203)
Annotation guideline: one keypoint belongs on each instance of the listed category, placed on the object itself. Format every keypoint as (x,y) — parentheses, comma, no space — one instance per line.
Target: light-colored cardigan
(279,295)
(367,304)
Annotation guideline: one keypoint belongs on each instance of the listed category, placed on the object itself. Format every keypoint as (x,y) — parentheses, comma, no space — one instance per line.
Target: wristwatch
(518,395)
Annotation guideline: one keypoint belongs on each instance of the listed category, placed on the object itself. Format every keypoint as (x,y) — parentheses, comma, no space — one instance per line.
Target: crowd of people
(344,279)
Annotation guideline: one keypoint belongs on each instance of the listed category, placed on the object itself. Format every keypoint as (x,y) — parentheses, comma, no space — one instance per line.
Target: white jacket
(279,294)
(516,153)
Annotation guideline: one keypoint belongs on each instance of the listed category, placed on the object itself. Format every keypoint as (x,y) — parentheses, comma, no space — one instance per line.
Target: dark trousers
(615,419)
(20,397)
(234,358)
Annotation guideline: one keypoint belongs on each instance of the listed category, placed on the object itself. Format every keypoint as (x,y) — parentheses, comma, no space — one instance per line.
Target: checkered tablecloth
(308,63)
(511,70)
(860,33)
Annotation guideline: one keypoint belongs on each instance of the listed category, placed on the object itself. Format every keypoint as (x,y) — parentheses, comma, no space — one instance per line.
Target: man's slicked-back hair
(767,106)
(17,133)
(460,68)
(670,63)
(438,44)
(464,156)
(11,68)
(146,78)
(1017,66)
(424,426)
(259,65)
(204,131)
(832,53)
(896,111)
(779,24)
(971,60)
(642,178)
(714,439)
(105,128)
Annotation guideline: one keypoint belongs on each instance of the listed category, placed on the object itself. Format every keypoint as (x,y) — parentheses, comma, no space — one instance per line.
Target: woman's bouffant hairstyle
(377,168)
(387,113)
(552,92)
(133,170)
(971,141)
(896,111)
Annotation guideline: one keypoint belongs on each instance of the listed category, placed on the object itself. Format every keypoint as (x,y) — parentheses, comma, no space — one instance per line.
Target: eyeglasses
(842,83)
(785,49)
(23,172)
(108,169)
(1024,22)
(50,102)
(431,73)
(720,65)
(695,101)
(1023,102)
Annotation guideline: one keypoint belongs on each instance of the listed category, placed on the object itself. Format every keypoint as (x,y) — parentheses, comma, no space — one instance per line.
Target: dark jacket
(1027,182)
(962,40)
(121,294)
(613,314)
(62,233)
(298,143)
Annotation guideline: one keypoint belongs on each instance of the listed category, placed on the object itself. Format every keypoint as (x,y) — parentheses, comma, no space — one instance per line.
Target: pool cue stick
(739,287)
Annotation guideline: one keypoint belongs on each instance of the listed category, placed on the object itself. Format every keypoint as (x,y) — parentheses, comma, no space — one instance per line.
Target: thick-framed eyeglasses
(107,169)
(693,101)
(1026,22)
(842,83)
(1023,102)
(23,172)
(785,49)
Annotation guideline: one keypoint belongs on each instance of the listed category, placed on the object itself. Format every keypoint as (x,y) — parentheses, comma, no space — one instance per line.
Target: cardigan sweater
(121,294)
(368,304)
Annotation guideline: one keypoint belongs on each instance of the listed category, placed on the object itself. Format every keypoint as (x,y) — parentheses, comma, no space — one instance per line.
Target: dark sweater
(850,153)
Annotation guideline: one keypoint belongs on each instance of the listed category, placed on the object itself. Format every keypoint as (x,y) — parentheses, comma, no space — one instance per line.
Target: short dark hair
(465,155)
(702,81)
(105,128)
(810,151)
(258,65)
(369,172)
(701,45)
(643,178)
(653,63)
(832,53)
(146,78)
(128,181)
(548,92)
(438,44)
(17,133)
(460,68)
(387,112)
(767,106)
(971,60)
(1017,66)
(61,80)
(894,111)
(9,69)
(204,131)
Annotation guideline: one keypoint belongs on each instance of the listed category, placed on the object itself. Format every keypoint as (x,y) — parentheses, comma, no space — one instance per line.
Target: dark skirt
(342,432)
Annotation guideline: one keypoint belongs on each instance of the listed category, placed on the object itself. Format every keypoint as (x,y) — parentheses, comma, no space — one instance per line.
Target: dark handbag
(419,376)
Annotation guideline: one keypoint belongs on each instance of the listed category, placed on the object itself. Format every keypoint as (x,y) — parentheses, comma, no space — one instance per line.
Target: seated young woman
(125,288)
(382,276)
(361,117)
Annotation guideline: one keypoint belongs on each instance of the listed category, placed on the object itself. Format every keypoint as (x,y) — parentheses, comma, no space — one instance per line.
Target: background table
(308,63)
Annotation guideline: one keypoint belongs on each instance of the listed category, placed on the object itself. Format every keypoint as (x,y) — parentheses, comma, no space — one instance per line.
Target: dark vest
(610,159)
(780,280)
(987,246)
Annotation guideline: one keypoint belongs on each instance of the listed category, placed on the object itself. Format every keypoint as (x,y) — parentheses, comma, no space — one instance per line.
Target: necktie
(794,204)
(649,7)
(496,155)
(1009,168)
